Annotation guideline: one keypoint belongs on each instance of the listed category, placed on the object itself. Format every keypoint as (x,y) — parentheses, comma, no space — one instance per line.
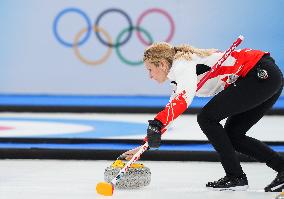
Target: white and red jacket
(183,74)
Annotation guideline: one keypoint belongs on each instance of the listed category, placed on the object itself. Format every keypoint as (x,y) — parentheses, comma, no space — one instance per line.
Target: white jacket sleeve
(183,74)
(186,79)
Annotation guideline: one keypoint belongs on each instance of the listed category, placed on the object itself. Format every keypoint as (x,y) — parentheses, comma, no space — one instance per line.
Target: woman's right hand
(129,154)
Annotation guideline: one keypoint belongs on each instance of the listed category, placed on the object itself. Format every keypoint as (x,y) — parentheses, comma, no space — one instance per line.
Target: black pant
(243,104)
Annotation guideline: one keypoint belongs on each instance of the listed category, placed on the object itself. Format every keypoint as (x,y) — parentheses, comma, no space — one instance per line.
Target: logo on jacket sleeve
(232,79)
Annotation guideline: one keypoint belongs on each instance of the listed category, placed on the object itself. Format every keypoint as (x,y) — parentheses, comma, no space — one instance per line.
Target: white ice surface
(58,179)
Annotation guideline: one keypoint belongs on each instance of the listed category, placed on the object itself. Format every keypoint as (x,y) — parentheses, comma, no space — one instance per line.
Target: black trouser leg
(249,93)
(216,134)
(237,126)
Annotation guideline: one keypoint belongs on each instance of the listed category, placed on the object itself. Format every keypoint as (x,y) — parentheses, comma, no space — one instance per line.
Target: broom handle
(220,61)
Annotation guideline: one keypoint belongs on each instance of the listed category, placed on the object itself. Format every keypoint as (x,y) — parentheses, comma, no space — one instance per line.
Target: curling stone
(137,175)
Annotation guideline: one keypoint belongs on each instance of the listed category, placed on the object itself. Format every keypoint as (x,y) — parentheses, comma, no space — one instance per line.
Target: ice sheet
(59,179)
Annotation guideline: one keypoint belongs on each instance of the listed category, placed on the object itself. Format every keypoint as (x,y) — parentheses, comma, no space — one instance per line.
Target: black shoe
(277,184)
(229,183)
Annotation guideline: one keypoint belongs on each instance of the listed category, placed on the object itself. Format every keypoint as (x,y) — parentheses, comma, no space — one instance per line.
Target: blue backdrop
(85,48)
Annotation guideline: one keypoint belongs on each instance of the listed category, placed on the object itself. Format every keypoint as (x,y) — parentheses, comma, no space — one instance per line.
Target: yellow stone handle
(121,164)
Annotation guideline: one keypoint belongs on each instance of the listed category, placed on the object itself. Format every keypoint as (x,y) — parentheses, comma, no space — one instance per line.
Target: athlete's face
(158,73)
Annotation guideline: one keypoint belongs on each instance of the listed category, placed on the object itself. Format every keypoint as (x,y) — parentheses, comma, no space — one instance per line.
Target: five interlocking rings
(98,30)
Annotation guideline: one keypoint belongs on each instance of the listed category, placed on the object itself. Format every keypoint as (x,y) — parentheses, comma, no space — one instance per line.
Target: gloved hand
(154,133)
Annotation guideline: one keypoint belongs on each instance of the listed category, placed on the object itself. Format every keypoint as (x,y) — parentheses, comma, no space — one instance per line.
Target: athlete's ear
(164,65)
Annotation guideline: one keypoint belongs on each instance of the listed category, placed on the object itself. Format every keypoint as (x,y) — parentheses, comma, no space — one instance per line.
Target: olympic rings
(77,52)
(108,42)
(138,29)
(172,23)
(78,11)
(129,23)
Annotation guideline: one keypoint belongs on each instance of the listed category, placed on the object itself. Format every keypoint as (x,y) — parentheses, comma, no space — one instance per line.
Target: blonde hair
(163,50)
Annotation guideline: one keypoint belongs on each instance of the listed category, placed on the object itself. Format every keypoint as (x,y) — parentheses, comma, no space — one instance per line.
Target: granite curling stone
(137,175)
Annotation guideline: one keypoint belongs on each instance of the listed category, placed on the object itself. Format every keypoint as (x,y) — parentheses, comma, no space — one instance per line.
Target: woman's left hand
(129,154)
